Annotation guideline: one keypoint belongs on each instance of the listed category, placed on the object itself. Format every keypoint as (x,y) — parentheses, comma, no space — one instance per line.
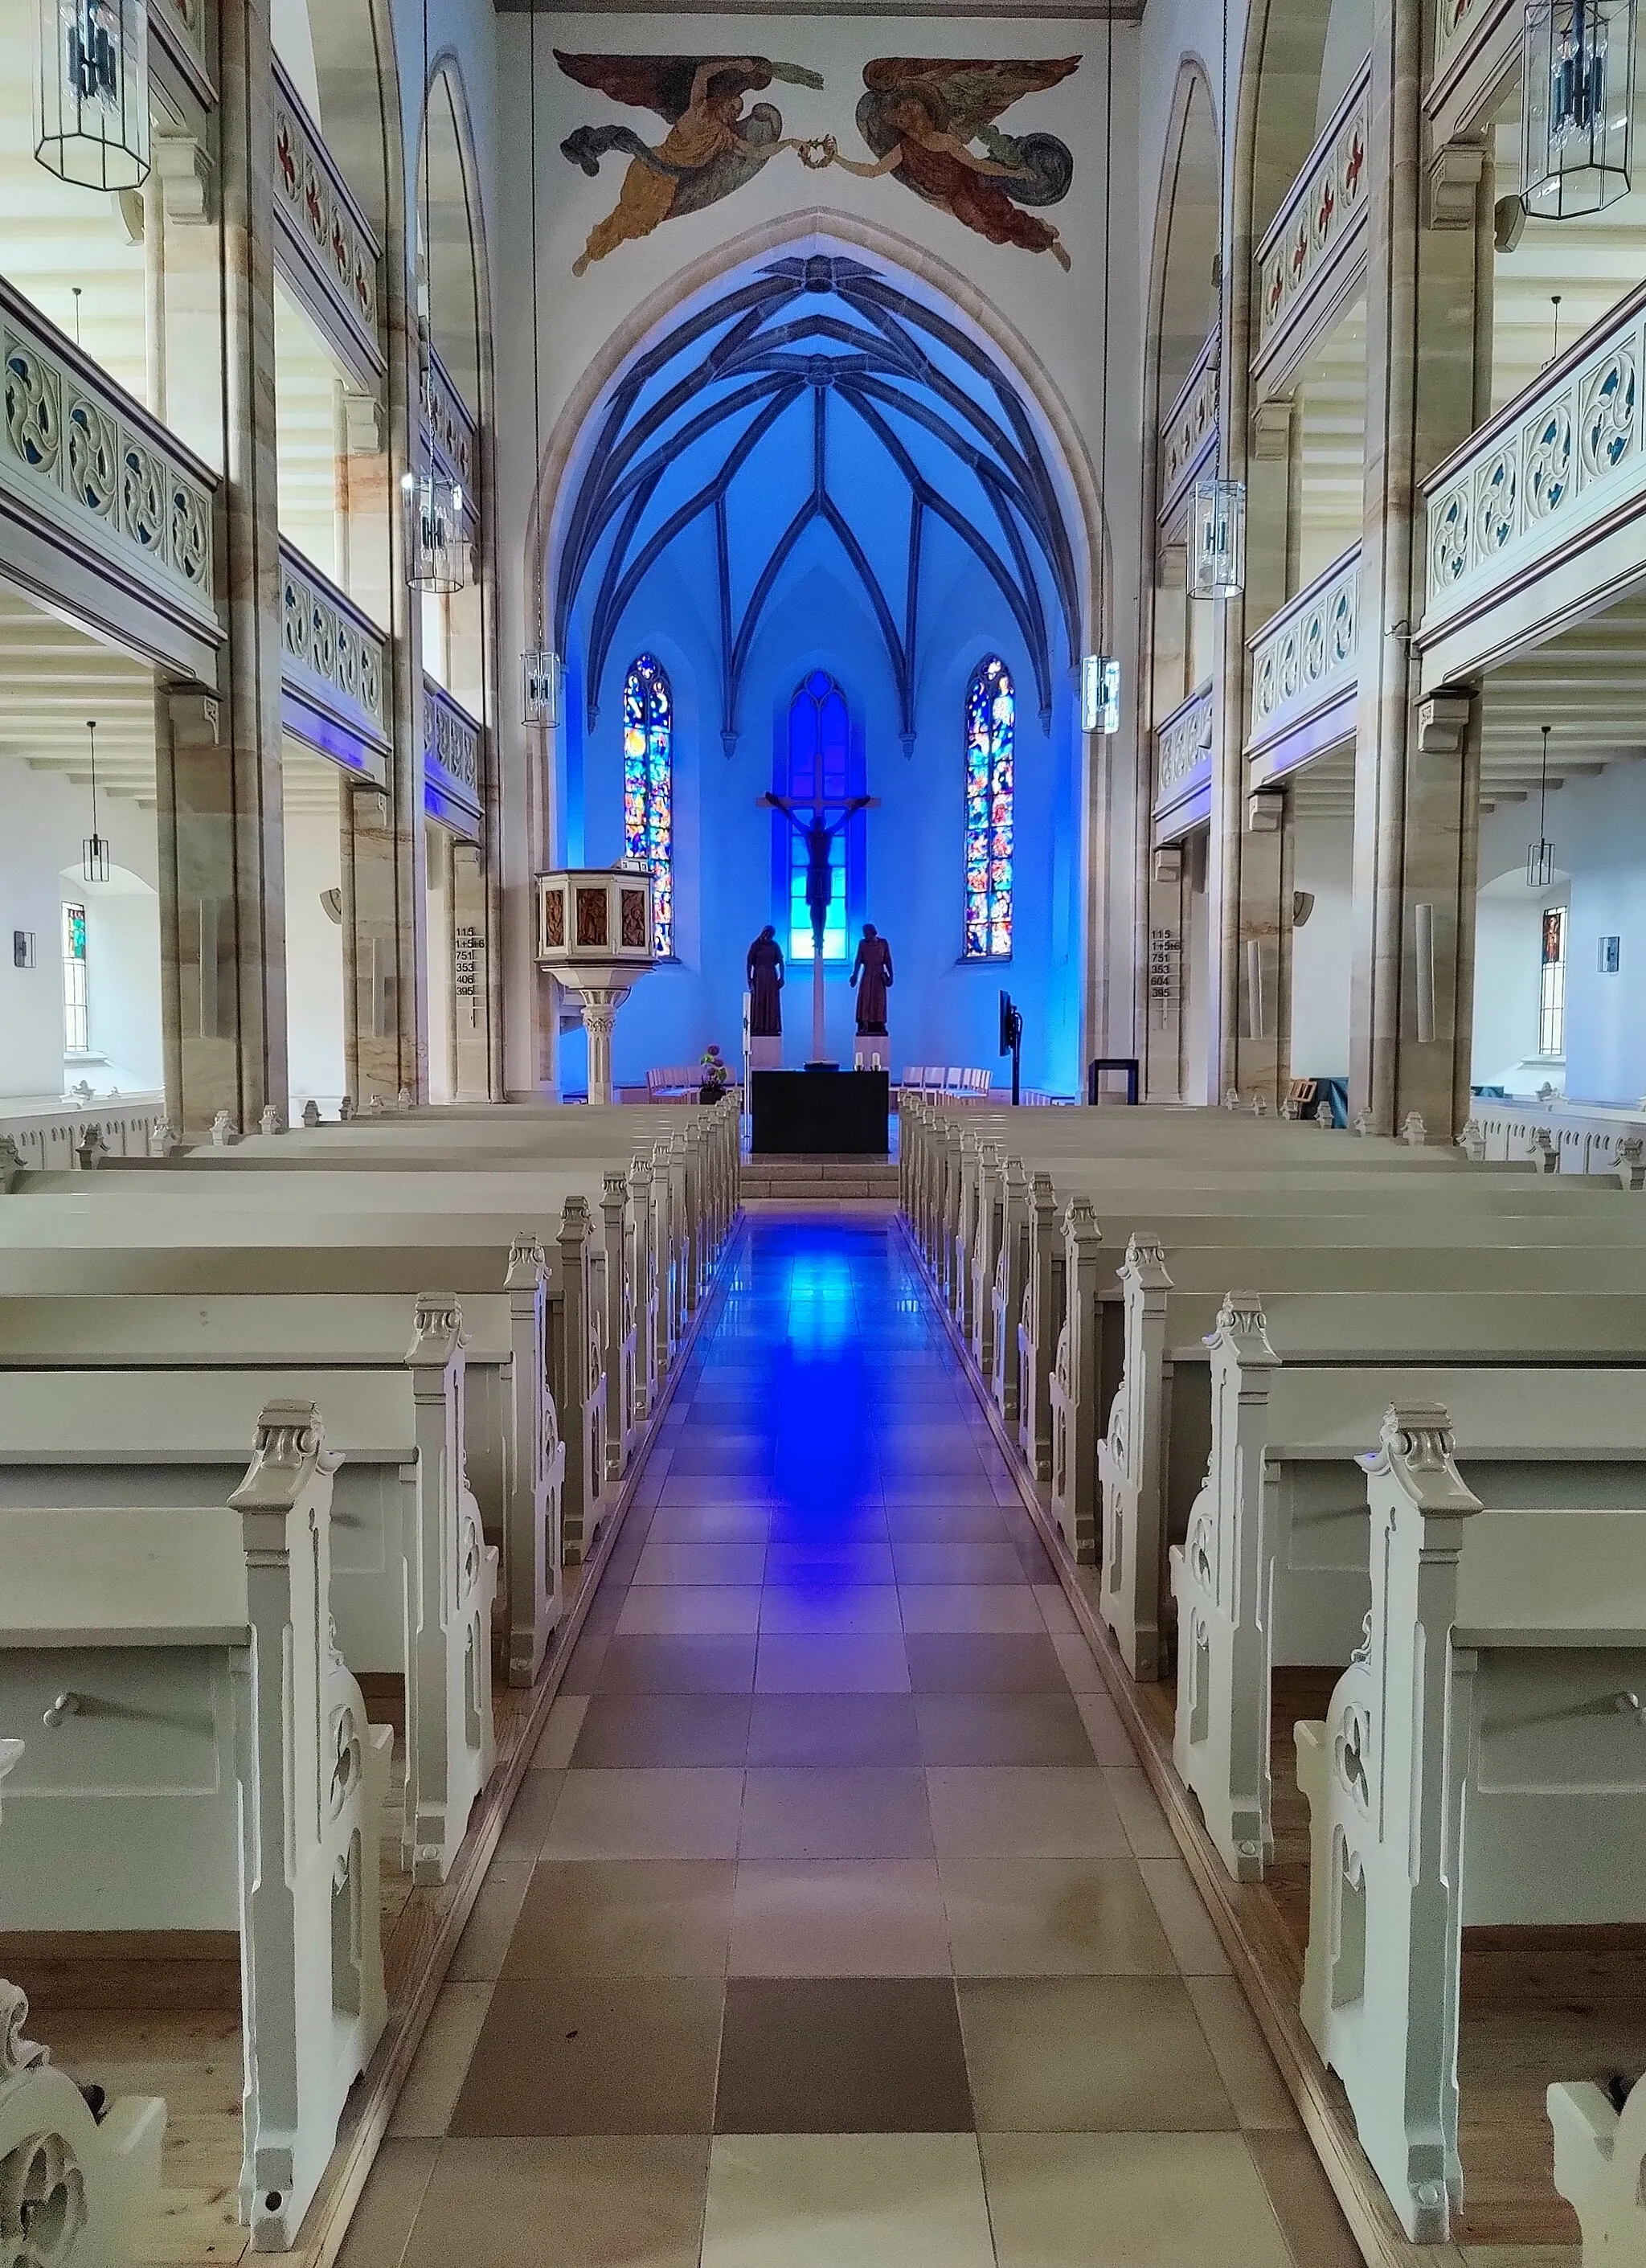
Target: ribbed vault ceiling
(819,401)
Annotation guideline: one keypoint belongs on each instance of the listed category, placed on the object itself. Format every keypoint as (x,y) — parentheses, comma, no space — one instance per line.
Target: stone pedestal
(765,1053)
(872,1051)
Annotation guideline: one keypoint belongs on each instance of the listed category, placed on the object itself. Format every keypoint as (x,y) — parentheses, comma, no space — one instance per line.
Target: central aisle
(836,1926)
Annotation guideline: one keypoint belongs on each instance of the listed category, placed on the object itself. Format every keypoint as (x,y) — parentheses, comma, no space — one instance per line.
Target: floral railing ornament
(104,472)
(1564,455)
(1183,749)
(451,754)
(1325,208)
(321,224)
(1307,656)
(449,427)
(1188,432)
(332,657)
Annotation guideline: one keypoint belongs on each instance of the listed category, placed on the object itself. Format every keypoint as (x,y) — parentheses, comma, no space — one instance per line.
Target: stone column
(1416,802)
(217,763)
(601,1004)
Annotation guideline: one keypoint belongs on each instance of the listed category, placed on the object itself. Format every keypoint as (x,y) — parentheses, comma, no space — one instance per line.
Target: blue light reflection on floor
(816,1366)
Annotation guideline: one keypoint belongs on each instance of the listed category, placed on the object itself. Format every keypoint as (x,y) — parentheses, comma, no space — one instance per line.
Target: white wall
(1322,856)
(1508,959)
(313,960)
(45,818)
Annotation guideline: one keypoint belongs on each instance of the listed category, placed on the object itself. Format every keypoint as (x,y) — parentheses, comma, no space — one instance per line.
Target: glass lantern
(1217,539)
(1100,693)
(437,549)
(1578,98)
(92,108)
(540,688)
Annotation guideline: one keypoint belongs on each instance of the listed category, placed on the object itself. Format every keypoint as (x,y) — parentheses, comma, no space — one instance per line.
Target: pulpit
(594,936)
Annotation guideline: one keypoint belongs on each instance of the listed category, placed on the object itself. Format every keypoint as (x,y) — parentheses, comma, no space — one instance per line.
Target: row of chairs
(931,1080)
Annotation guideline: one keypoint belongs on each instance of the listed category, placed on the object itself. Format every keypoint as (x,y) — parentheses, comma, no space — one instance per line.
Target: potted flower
(714,1076)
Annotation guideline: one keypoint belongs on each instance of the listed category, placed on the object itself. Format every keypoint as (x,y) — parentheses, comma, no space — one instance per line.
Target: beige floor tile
(580,2202)
(623,1813)
(1129,2201)
(1080,1664)
(1055,1610)
(441,2061)
(690,1610)
(1303,2202)
(1035,1811)
(1145,1829)
(1051,1917)
(485,1938)
(838,1918)
(558,1736)
(662,1562)
(1195,1944)
(811,1610)
(846,2201)
(1088,2055)
(989,1607)
(529,1815)
(854,1811)
(386,2215)
(1242,2054)
(856,1661)
(1111,1744)
(623,1918)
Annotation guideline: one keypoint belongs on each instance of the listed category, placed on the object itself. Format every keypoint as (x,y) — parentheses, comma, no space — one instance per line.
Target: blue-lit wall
(943,1010)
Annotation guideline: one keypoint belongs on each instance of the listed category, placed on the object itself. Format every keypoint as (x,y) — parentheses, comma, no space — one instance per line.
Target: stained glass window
(991,724)
(75,1035)
(1552,986)
(820,764)
(648,789)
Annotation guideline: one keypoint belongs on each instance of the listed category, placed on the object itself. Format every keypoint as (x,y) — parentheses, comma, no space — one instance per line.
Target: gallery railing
(334,670)
(1183,765)
(328,252)
(1305,663)
(452,786)
(1314,249)
(1188,431)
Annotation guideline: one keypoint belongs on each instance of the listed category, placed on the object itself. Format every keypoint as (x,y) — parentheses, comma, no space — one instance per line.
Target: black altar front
(820,1114)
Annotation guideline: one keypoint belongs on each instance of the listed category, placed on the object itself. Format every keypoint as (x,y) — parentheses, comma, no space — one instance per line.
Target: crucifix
(818,834)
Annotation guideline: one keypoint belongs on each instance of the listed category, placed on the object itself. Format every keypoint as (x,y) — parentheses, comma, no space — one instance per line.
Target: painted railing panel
(322,229)
(57,1136)
(183,31)
(1188,432)
(452,778)
(1577,1141)
(449,431)
(1557,469)
(1306,660)
(334,666)
(1183,753)
(1321,222)
(83,463)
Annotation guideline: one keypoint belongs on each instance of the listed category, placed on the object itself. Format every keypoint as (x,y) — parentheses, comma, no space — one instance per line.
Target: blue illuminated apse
(820,505)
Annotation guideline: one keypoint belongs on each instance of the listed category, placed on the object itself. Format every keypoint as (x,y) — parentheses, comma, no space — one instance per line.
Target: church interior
(821,1361)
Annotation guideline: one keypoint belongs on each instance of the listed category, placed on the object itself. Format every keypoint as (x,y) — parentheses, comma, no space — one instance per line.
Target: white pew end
(1600,2169)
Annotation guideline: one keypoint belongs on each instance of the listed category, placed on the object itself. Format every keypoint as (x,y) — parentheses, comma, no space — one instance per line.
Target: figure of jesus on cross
(818,833)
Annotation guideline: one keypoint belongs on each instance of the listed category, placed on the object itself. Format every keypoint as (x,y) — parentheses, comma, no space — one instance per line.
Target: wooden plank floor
(158,2013)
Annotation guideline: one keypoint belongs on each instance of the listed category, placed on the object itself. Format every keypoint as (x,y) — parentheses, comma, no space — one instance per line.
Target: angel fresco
(712,146)
(921,113)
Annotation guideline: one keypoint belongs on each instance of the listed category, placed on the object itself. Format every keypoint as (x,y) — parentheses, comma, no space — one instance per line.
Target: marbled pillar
(1416,794)
(217,766)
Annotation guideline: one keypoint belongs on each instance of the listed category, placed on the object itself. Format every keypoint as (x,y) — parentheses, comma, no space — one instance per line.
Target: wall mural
(711,149)
(920,115)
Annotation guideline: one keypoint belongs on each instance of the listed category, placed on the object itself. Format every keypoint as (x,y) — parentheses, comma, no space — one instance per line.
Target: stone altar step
(814,1178)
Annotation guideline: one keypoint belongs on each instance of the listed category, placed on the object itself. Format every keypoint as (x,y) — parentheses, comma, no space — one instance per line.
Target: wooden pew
(62,1246)
(1275,1570)
(206,1763)
(1480,1762)
(413,1581)
(91,2177)
(1599,2155)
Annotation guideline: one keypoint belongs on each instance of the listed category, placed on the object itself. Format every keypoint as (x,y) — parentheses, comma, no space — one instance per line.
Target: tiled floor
(836,1926)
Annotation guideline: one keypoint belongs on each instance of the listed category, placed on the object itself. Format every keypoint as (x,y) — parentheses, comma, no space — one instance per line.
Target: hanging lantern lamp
(94,849)
(1217,539)
(1100,693)
(1577,97)
(540,686)
(437,549)
(1540,854)
(91,109)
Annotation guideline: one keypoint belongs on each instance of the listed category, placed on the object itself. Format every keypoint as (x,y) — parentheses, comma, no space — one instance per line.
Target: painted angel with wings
(711,149)
(920,115)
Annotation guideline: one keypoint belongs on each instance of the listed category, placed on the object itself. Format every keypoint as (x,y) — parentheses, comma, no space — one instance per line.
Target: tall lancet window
(821,764)
(990,729)
(648,788)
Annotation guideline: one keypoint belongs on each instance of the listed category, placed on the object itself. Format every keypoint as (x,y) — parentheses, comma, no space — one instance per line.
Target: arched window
(648,788)
(991,727)
(819,765)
